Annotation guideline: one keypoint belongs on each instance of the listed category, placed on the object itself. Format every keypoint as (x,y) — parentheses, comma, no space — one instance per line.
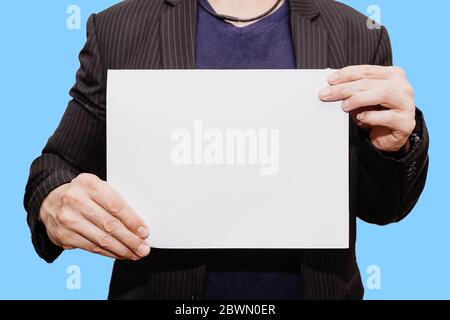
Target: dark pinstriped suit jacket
(154,34)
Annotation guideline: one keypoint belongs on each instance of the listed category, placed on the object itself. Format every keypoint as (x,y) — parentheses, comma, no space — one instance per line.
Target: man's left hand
(380,99)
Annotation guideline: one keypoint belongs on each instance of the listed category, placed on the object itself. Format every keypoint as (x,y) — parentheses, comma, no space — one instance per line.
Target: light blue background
(38,60)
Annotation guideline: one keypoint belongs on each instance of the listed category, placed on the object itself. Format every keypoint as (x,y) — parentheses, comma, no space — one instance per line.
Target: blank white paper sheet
(230,158)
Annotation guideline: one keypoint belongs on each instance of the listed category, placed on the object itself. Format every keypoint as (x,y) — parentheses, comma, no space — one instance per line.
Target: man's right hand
(89,214)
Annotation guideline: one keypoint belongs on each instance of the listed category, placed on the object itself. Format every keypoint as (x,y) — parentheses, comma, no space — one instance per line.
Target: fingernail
(143,250)
(332,78)
(325,92)
(345,105)
(360,116)
(143,232)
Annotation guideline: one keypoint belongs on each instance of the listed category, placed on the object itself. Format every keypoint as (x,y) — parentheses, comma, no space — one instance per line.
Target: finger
(386,118)
(99,237)
(75,240)
(112,202)
(343,91)
(114,227)
(353,73)
(384,96)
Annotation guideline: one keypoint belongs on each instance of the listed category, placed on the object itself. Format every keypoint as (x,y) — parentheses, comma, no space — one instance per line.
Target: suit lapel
(310,39)
(178,34)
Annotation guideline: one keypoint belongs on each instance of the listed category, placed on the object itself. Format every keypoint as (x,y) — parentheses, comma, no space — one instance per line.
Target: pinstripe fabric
(179,52)
(160,34)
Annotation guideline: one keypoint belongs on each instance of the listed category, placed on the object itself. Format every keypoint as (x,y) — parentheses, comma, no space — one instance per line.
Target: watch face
(415,138)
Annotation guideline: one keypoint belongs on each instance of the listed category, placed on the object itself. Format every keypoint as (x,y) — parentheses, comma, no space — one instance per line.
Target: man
(70,206)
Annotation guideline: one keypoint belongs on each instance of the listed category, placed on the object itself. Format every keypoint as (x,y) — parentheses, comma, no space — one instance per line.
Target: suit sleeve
(389,185)
(78,144)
